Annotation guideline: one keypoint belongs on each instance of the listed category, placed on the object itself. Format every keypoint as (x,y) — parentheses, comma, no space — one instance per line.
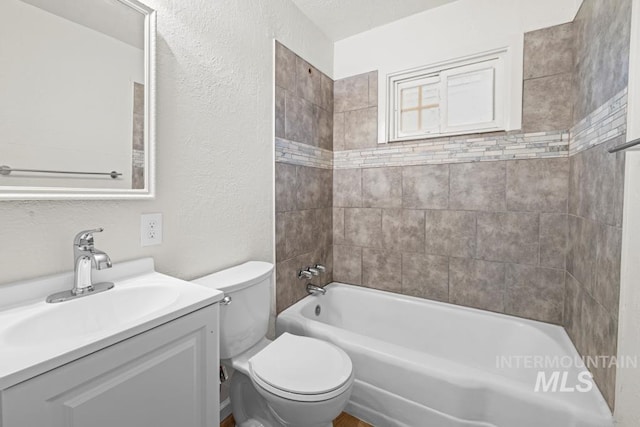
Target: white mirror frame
(59,193)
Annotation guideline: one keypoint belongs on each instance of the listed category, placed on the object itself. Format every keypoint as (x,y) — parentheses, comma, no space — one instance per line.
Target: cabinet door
(165,377)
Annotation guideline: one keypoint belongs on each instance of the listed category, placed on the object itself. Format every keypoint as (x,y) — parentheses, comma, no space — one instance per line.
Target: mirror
(76,99)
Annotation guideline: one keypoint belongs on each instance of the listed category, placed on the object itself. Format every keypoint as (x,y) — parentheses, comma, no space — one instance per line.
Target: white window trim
(441,70)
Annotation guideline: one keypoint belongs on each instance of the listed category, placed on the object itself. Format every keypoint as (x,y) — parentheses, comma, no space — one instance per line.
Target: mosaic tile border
(491,147)
(297,153)
(605,123)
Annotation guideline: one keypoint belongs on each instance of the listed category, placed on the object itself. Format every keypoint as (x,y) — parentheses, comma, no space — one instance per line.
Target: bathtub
(423,363)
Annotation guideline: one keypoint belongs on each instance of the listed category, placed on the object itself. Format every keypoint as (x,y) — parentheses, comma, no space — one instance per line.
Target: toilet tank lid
(238,277)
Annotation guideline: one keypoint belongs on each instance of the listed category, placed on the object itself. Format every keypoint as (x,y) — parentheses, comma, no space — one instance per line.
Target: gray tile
(351,93)
(323,128)
(608,256)
(298,119)
(535,293)
(403,230)
(347,188)
(347,264)
(289,289)
(581,255)
(538,185)
(373,89)
(280,112)
(314,188)
(298,224)
(572,316)
(326,92)
(285,187)
(592,185)
(382,187)
(382,270)
(476,283)
(308,85)
(546,103)
(281,250)
(600,339)
(425,187)
(285,68)
(553,240)
(363,227)
(508,237)
(602,53)
(451,233)
(549,51)
(338,131)
(338,226)
(478,186)
(361,128)
(323,233)
(425,276)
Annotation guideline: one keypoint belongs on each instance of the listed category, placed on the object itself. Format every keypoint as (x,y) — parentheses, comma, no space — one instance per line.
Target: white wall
(455,30)
(214,150)
(627,411)
(67,99)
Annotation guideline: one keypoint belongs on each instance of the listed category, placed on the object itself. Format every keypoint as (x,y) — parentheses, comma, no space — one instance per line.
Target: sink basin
(87,316)
(36,336)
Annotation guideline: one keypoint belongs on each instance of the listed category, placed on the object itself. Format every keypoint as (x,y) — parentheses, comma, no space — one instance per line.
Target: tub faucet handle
(304,274)
(313,271)
(321,268)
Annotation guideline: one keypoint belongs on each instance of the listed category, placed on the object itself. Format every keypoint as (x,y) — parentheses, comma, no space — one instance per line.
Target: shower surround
(526,223)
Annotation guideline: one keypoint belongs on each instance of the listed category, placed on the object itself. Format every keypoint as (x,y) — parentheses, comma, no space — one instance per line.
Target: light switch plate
(150,229)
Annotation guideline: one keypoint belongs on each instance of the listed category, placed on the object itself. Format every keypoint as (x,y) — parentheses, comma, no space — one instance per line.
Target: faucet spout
(100,259)
(315,290)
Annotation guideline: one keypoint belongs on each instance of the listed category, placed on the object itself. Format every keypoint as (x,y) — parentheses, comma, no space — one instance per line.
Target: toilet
(292,381)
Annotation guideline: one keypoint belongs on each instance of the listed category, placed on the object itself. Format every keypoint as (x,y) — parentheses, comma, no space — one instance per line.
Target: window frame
(443,71)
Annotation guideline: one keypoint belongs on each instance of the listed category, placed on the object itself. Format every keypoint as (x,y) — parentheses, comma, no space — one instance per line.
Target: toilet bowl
(291,381)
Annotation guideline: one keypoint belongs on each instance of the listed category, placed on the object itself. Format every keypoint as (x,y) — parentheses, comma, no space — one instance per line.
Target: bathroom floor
(344,420)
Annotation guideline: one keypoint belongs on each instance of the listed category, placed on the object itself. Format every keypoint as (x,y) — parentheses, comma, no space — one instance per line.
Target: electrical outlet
(150,229)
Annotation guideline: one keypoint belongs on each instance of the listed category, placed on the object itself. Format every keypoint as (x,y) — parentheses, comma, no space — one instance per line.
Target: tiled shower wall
(476,230)
(596,184)
(304,120)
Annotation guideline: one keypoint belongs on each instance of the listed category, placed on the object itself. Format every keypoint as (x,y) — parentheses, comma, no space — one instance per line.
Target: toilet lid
(301,365)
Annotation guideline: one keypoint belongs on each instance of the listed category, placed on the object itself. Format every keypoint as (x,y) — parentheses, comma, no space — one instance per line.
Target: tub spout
(315,290)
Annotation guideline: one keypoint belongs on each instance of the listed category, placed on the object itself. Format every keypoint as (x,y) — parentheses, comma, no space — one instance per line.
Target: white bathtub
(422,363)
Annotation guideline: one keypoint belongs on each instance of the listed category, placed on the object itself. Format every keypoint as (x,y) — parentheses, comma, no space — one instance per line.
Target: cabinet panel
(165,377)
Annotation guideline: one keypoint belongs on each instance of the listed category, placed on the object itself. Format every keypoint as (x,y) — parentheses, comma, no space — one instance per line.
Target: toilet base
(250,409)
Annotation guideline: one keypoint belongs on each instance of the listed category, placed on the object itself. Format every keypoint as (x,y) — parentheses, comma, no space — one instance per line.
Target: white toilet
(292,381)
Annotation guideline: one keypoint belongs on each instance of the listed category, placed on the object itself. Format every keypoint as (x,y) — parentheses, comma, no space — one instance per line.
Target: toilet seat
(302,369)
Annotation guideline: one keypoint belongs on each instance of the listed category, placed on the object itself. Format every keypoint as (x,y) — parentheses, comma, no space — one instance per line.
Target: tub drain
(318,310)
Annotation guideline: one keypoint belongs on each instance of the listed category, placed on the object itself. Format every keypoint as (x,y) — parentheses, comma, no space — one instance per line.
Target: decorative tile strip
(458,149)
(297,153)
(605,123)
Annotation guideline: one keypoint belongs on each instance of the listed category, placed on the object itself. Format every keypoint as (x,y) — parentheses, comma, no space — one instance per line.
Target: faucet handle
(321,268)
(85,238)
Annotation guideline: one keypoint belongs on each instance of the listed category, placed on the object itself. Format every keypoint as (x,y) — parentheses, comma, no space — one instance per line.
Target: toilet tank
(245,319)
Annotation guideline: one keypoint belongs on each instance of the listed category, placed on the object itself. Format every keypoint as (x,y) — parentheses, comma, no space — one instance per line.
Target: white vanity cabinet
(164,377)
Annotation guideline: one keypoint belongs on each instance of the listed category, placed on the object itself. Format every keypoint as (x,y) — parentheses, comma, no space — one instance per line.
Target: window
(452,98)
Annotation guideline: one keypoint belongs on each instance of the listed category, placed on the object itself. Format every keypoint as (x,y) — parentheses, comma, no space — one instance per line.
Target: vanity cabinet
(164,377)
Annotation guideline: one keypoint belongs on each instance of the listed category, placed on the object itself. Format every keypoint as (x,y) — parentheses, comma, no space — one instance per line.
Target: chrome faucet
(315,290)
(85,257)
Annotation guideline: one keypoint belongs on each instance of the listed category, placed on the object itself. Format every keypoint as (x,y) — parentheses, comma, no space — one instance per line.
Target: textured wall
(303,200)
(214,149)
(596,189)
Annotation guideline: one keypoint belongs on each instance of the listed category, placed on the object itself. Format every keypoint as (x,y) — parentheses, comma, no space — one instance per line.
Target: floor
(344,420)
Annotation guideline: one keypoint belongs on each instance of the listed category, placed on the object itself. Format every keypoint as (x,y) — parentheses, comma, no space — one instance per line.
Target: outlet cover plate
(150,229)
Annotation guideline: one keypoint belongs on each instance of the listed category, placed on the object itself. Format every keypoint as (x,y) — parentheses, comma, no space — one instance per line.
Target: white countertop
(22,357)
